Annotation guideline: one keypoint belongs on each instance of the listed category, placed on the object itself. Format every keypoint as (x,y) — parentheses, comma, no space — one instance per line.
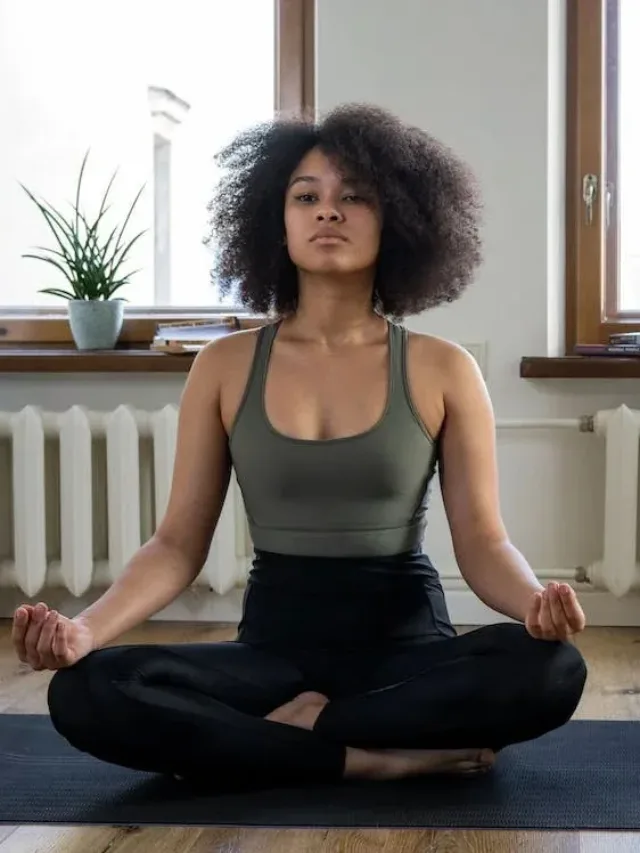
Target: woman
(335,419)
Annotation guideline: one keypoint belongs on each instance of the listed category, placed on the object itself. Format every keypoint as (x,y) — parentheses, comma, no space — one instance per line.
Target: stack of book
(192,336)
(623,344)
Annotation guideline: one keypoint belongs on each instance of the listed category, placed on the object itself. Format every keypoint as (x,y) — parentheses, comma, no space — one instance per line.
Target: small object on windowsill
(626,338)
(190,329)
(177,347)
(190,337)
(608,350)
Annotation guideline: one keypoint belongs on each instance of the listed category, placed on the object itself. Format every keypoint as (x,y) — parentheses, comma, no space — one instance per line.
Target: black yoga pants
(197,710)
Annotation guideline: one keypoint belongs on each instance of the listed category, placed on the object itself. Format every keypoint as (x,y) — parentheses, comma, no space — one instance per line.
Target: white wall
(486,78)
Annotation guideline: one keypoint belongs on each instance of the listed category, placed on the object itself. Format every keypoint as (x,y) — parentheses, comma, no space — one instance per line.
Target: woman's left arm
(493,568)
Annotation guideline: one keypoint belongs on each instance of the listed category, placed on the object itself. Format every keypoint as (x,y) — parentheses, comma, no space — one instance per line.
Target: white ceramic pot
(96,324)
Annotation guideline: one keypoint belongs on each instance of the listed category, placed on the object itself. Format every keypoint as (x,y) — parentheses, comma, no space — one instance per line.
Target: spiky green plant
(90,263)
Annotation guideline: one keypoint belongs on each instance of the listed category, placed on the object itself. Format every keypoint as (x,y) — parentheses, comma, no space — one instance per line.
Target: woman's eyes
(309,198)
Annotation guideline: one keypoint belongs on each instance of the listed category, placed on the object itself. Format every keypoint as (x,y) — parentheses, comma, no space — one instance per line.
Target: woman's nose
(328,215)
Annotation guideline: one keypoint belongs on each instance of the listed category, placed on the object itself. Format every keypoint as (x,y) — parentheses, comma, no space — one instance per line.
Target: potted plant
(92,266)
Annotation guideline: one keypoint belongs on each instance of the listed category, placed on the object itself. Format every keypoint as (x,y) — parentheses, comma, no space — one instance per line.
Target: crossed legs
(231,711)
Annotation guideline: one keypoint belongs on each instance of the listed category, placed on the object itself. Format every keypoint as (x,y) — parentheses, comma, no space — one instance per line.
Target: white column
(167,112)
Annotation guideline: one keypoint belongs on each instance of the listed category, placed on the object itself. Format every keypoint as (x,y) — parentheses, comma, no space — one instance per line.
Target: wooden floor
(613,692)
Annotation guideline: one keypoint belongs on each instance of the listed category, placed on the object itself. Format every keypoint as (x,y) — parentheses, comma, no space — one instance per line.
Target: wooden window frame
(294,93)
(592,312)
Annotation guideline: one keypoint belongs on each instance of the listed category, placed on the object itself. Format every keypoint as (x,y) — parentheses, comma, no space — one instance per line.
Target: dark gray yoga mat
(585,775)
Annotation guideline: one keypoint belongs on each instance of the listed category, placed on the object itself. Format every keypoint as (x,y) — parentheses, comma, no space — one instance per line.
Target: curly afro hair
(430,244)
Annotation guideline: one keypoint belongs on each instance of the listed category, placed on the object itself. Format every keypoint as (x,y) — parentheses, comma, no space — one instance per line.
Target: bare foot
(303,711)
(402,763)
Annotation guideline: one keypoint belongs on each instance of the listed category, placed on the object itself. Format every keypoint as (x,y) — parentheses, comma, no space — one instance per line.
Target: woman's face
(332,225)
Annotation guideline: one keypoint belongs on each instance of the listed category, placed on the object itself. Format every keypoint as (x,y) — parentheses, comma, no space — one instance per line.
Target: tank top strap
(252,404)
(397,366)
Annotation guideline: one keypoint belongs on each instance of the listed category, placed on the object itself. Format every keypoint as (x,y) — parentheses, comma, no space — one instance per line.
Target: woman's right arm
(171,560)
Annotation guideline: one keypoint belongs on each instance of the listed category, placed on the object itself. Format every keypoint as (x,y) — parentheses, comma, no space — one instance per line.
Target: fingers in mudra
(556,613)
(49,643)
(27,626)
(552,620)
(573,611)
(39,637)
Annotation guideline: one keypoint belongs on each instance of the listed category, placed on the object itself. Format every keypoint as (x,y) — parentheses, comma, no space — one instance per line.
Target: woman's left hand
(555,613)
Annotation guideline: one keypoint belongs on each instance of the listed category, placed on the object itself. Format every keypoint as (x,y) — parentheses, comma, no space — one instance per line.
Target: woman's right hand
(45,639)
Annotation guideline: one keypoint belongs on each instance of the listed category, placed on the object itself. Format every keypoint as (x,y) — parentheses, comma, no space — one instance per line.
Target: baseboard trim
(201,605)
(601,609)
(465,608)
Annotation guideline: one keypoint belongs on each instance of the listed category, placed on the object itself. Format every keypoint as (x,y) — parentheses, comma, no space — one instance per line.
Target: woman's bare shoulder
(445,365)
(440,368)
(230,352)
(222,363)
(436,350)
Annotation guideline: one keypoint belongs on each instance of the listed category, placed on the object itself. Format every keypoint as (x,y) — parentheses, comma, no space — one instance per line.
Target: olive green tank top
(360,496)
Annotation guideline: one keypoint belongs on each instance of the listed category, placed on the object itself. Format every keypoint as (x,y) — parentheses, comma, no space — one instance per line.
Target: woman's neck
(334,310)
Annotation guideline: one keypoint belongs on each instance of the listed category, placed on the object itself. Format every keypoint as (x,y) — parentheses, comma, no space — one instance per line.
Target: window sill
(30,359)
(579,367)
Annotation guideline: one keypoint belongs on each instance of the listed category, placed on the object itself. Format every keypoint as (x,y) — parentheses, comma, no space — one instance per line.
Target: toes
(487,757)
(473,762)
(481,762)
(470,768)
(466,767)
(478,770)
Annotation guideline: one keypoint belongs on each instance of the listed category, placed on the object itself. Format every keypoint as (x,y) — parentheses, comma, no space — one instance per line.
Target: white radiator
(85,490)
(617,571)
(81,490)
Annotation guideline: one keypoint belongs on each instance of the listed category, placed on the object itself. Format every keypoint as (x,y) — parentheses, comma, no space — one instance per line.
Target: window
(603,170)
(166,84)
